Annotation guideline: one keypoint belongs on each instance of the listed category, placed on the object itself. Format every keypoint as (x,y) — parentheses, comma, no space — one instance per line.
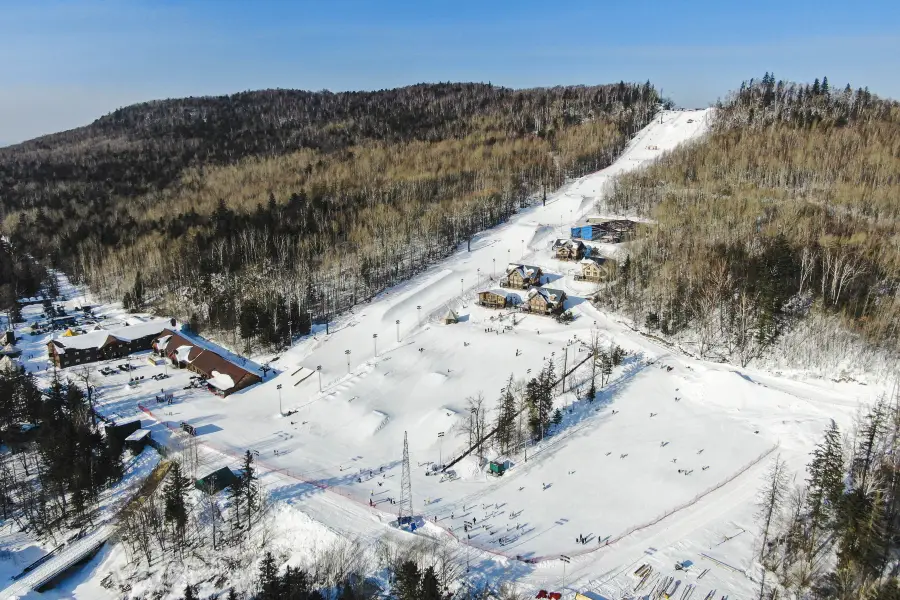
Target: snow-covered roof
(496,291)
(182,353)
(524,270)
(593,260)
(551,295)
(137,435)
(221,381)
(97,338)
(162,342)
(567,243)
(8,364)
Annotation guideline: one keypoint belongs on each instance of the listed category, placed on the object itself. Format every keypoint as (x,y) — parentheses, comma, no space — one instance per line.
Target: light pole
(319,371)
(375,343)
(565,560)
(347,352)
(523,248)
(460,287)
(280,411)
(440,448)
(419,313)
(494,270)
(477,277)
(398,330)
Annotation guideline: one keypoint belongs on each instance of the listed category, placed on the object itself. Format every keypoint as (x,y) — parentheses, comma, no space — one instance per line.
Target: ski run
(648,491)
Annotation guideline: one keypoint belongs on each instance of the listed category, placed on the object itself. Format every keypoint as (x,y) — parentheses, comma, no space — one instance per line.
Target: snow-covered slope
(664,465)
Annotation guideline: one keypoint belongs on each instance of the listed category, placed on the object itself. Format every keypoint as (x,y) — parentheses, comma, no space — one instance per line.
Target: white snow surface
(614,471)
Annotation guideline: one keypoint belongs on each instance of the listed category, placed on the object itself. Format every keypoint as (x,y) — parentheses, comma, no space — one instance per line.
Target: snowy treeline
(788,208)
(323,198)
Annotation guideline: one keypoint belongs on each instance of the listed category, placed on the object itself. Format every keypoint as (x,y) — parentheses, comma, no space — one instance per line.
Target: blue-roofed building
(584,231)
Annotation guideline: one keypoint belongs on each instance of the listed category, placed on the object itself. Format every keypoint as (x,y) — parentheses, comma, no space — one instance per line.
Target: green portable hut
(216,481)
(498,467)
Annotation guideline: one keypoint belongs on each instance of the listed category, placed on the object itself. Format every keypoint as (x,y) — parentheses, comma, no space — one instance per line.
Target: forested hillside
(786,214)
(249,211)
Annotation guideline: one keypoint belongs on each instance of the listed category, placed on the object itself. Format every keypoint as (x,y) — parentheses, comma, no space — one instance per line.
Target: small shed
(498,467)
(10,351)
(451,317)
(216,481)
(122,431)
(136,440)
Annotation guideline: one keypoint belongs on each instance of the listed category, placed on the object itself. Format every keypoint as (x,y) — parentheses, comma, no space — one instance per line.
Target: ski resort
(637,479)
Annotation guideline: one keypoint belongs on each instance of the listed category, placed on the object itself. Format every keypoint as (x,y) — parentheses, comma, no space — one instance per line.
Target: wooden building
(569,249)
(521,277)
(493,298)
(546,301)
(223,376)
(103,345)
(596,269)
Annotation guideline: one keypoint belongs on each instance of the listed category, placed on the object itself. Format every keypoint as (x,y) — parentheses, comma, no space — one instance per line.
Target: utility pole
(375,343)
(440,448)
(280,411)
(319,370)
(565,360)
(565,560)
(398,330)
(347,352)
(419,312)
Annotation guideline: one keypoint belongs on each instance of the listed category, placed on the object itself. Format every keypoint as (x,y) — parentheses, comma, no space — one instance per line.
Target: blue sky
(63,64)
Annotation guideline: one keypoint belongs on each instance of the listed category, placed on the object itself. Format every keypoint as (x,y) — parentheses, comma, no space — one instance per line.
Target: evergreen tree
(347,592)
(232,595)
(249,321)
(557,417)
(175,502)
(406,581)
(430,587)
(606,368)
(295,584)
(236,498)
(825,483)
(269,583)
(189,593)
(506,418)
(249,488)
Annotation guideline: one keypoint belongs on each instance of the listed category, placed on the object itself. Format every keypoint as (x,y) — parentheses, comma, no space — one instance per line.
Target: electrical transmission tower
(406,508)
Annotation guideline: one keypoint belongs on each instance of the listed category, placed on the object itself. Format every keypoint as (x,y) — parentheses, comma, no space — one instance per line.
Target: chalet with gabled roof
(545,301)
(569,249)
(493,298)
(596,269)
(521,277)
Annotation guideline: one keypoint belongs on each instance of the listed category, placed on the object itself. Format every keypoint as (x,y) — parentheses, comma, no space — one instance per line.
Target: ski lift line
(493,431)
